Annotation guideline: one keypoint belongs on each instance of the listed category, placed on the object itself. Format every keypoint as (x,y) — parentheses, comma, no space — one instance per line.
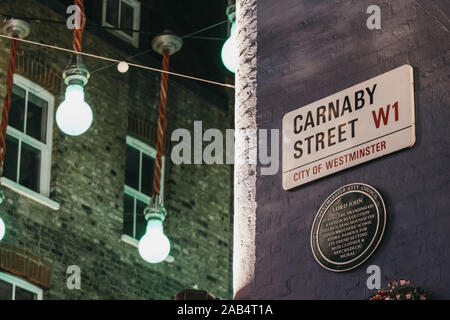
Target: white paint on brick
(245,171)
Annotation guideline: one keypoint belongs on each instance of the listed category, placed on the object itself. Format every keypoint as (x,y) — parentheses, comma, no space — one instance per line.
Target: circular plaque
(348,227)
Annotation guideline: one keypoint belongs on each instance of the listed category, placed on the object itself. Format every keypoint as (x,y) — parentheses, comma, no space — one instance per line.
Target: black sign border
(381,209)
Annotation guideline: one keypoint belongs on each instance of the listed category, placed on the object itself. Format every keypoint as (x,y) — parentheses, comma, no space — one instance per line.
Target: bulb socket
(155,209)
(231,13)
(167,40)
(16,27)
(76,72)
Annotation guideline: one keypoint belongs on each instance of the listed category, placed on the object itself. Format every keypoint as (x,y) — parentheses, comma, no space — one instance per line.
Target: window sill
(135,243)
(30,194)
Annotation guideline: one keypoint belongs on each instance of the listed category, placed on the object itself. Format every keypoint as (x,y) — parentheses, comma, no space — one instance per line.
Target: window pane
(126,19)
(141,223)
(128,218)
(5,290)
(11,158)
(30,162)
(132,168)
(22,294)
(112,12)
(148,166)
(17,111)
(36,116)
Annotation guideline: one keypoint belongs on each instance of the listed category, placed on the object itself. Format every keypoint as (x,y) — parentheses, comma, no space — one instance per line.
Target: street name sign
(356,125)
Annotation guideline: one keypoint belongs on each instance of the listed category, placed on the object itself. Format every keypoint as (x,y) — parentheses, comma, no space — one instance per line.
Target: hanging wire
(162,123)
(7,99)
(88,26)
(118,61)
(97,26)
(78,32)
(190,35)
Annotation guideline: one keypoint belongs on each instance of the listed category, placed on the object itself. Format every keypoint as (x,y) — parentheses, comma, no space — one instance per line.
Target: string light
(154,246)
(74,115)
(97,26)
(123,67)
(16,29)
(118,61)
(229,50)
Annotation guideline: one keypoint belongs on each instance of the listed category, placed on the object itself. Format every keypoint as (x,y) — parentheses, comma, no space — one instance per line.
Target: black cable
(204,29)
(190,35)
(208,38)
(39,20)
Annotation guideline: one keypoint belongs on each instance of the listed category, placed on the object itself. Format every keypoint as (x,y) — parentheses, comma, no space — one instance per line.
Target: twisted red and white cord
(162,123)
(78,33)
(7,99)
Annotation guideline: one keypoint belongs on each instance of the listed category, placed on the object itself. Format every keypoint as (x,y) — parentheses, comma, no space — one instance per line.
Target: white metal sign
(358,124)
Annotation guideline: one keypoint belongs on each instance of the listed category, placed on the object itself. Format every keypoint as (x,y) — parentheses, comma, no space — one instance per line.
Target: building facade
(78,201)
(294,53)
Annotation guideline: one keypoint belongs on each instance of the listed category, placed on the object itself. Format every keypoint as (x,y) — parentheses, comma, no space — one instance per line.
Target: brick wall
(245,171)
(88,181)
(308,50)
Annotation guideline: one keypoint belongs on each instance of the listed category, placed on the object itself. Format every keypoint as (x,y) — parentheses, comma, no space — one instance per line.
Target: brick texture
(308,50)
(88,182)
(245,171)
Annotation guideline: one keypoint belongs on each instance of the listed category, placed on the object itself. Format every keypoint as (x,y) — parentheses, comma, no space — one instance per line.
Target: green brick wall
(87,180)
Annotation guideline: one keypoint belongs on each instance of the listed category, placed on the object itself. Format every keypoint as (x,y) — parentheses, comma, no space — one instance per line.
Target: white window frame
(18,282)
(151,152)
(45,148)
(136,5)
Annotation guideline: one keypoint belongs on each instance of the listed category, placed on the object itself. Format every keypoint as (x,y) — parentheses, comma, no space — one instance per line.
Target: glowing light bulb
(230,52)
(2,229)
(74,115)
(123,67)
(154,246)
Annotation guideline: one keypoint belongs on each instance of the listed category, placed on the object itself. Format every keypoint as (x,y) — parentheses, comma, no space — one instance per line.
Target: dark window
(124,15)
(27,145)
(5,290)
(148,167)
(112,12)
(141,223)
(30,163)
(14,288)
(132,169)
(126,18)
(22,294)
(139,167)
(11,158)
(36,117)
(16,113)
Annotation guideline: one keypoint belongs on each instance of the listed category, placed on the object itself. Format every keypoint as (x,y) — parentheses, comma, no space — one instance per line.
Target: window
(140,163)
(123,14)
(14,288)
(29,137)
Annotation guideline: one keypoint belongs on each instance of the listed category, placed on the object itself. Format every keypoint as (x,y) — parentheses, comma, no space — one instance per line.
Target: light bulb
(230,52)
(123,67)
(154,246)
(74,115)
(2,229)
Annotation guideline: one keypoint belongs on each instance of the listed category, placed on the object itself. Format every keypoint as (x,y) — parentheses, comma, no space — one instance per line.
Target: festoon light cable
(15,29)
(118,61)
